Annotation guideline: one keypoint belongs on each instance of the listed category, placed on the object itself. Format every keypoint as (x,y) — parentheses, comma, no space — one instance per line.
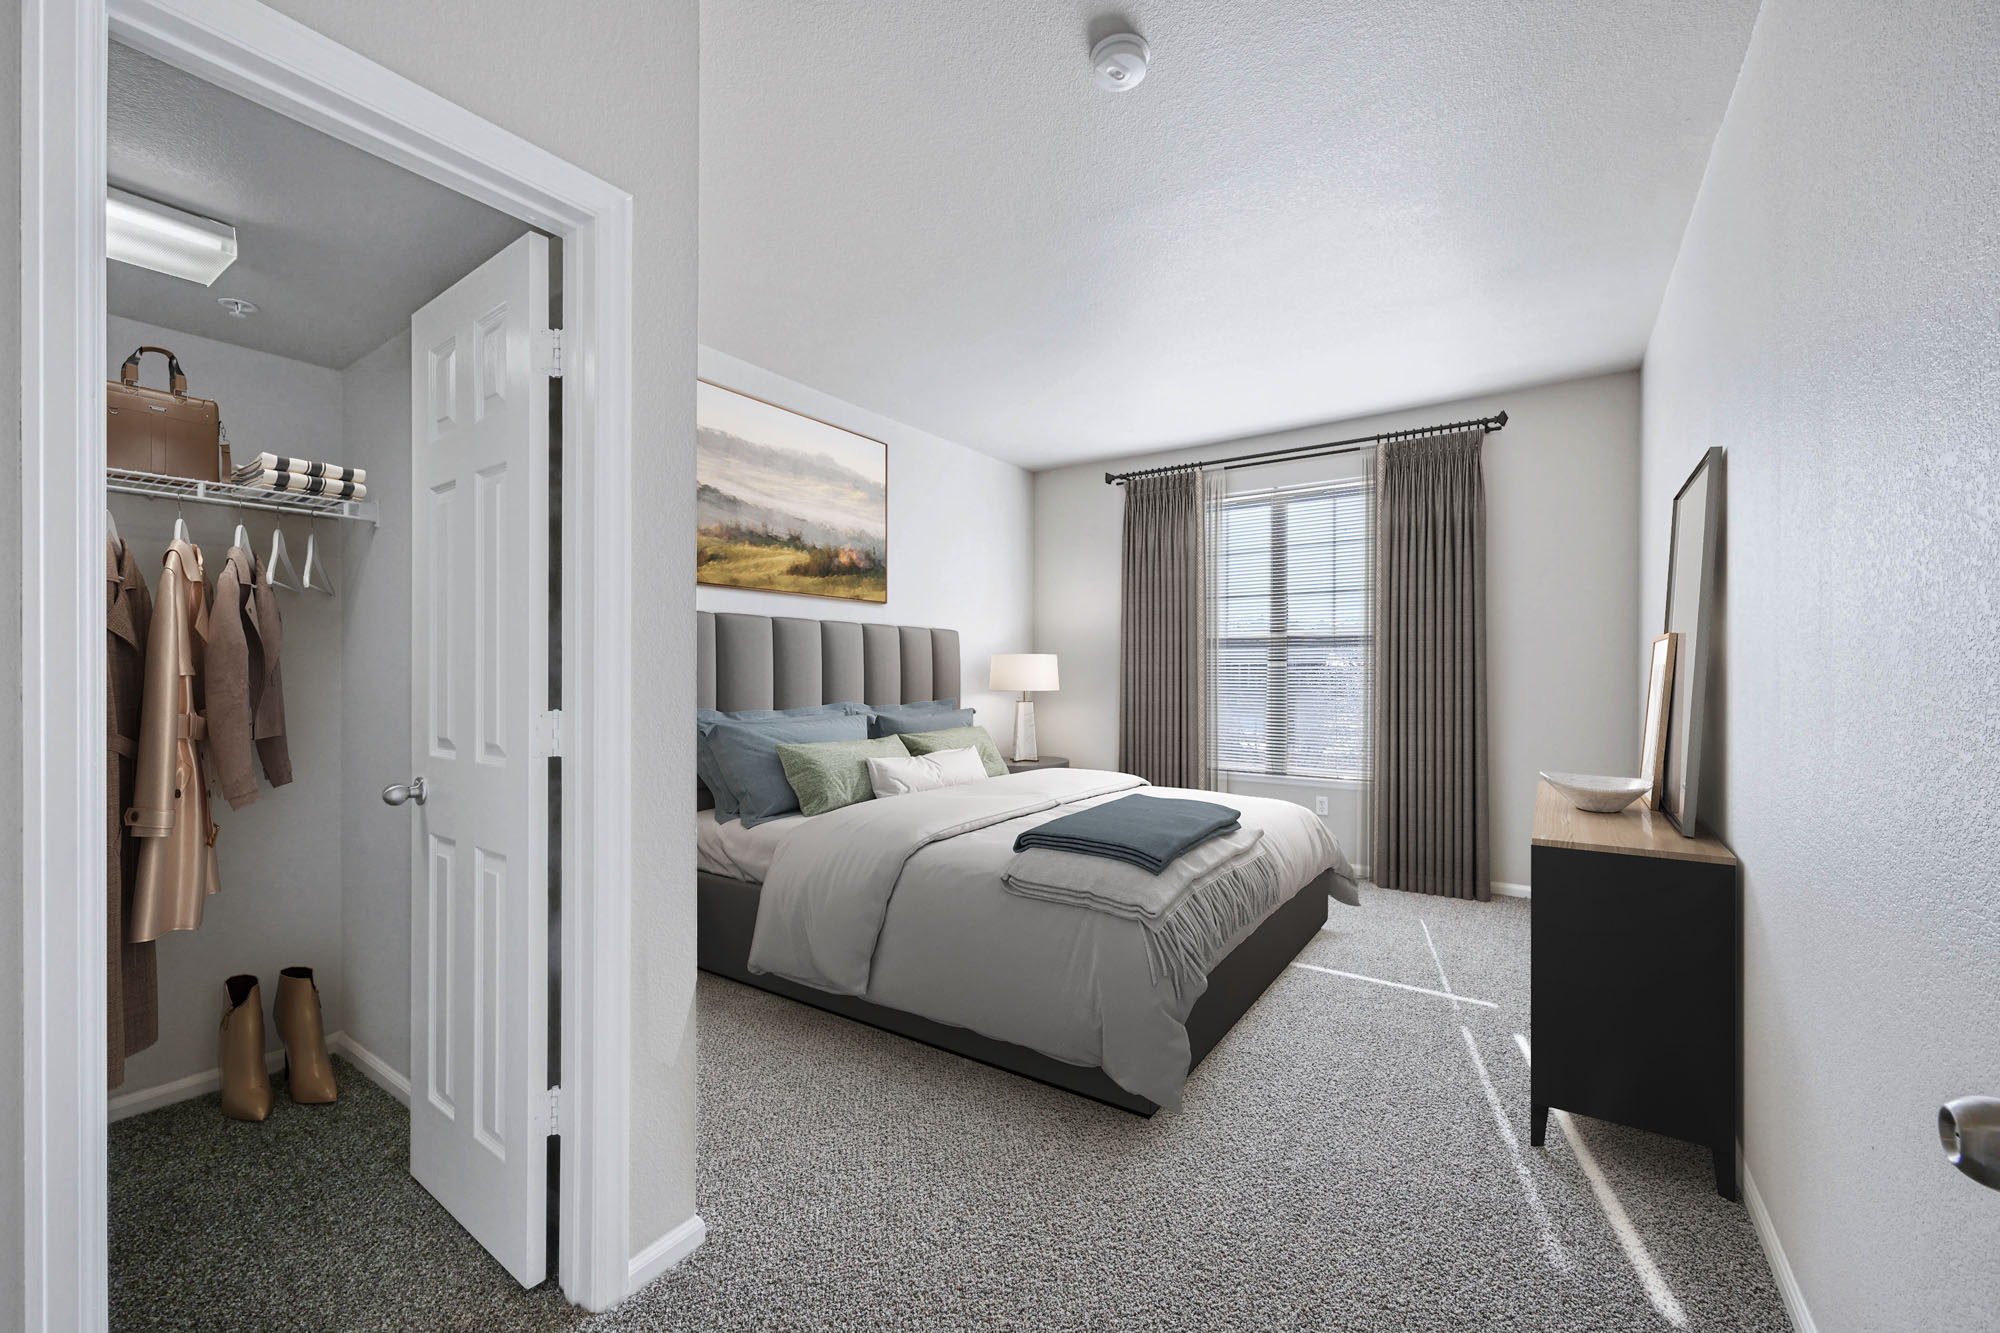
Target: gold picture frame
(1653,725)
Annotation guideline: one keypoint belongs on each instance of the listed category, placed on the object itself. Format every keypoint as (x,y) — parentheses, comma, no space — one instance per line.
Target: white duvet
(901,901)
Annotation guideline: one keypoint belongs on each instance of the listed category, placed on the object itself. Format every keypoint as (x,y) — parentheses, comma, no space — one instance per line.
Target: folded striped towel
(293,481)
(247,472)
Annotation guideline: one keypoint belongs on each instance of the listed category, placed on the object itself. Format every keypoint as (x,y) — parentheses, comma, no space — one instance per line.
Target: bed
(947,956)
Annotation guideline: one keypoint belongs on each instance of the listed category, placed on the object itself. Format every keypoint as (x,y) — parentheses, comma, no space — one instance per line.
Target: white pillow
(925,772)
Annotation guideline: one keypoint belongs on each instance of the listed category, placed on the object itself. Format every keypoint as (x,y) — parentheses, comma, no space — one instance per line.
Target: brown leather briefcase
(166,433)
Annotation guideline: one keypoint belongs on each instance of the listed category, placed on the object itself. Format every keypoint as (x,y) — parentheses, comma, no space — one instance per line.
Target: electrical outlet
(1319,805)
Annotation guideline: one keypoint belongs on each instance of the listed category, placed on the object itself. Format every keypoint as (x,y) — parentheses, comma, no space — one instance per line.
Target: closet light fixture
(166,240)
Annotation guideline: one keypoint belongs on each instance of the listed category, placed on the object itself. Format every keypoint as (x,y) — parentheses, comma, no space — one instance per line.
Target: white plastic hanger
(316,576)
(278,570)
(181,533)
(111,530)
(242,538)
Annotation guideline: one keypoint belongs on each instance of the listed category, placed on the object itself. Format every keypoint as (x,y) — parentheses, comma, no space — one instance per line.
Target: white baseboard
(1774,1250)
(665,1253)
(1503,890)
(380,1072)
(141,1100)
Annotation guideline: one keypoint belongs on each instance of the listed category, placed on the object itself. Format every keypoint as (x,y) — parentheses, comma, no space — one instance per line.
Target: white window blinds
(1292,591)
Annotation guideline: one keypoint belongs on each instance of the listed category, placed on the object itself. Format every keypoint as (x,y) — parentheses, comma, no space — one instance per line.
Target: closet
(305,343)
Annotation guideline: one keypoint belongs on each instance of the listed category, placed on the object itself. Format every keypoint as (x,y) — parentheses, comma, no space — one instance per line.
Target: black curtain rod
(1490,424)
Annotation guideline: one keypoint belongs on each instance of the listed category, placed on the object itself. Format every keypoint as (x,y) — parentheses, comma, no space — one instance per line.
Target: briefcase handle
(129,372)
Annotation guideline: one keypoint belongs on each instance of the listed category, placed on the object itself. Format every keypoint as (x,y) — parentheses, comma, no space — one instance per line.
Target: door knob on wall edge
(398,794)
(1970,1130)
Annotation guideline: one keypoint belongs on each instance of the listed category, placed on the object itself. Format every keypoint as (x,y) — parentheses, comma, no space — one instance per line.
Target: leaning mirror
(1690,598)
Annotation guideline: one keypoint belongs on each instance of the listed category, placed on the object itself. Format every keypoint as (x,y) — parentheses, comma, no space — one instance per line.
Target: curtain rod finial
(1500,422)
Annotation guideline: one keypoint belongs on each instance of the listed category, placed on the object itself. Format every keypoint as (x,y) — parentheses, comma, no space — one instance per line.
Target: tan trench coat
(242,684)
(131,1011)
(169,814)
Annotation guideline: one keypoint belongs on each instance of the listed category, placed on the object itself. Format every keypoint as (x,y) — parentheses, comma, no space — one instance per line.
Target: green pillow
(829,774)
(957,738)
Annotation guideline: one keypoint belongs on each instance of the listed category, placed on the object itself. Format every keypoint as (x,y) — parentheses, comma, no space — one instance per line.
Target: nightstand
(1030,765)
(1636,1010)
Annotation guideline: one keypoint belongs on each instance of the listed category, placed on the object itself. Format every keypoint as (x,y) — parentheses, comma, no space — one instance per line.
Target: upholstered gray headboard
(745,661)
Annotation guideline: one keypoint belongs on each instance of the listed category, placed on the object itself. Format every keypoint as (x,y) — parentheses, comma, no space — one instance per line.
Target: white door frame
(259,54)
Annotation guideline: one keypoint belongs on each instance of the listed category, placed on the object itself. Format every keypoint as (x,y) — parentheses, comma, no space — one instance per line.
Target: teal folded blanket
(1145,831)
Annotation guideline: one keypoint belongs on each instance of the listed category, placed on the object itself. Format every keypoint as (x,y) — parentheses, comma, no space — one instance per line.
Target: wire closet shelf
(189,490)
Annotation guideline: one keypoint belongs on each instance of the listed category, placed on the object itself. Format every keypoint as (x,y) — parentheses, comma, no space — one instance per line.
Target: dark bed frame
(749,661)
(726,913)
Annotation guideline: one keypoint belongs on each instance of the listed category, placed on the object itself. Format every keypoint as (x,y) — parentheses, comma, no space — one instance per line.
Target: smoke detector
(1120,61)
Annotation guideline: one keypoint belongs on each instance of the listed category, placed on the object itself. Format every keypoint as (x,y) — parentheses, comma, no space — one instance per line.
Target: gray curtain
(1163,632)
(1431,805)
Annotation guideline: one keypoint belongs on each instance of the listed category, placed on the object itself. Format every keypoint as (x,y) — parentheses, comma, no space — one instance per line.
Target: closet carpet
(1338,1165)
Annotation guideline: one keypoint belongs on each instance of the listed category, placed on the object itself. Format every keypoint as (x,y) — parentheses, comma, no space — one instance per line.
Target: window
(1292,590)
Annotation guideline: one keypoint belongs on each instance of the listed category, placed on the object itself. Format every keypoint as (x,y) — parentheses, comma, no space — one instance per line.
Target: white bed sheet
(736,852)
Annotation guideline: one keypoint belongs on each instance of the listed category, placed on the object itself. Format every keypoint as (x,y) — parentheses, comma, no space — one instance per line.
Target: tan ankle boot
(246,1084)
(308,1068)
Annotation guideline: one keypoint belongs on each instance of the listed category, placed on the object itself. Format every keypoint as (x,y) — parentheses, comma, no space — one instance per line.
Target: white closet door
(479,1040)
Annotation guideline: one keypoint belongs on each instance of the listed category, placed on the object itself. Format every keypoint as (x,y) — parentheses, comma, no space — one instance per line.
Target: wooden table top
(1633,831)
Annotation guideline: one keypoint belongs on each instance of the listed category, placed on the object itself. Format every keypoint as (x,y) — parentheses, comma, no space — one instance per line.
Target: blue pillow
(704,762)
(896,719)
(745,755)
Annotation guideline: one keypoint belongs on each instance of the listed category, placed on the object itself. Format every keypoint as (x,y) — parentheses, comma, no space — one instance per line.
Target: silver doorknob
(398,794)
(1970,1131)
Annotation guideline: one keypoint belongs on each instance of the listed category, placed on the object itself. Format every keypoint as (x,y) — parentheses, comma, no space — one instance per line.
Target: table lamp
(1023,672)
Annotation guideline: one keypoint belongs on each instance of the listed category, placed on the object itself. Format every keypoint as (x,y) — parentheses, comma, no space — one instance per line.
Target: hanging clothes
(243,687)
(132,1010)
(169,813)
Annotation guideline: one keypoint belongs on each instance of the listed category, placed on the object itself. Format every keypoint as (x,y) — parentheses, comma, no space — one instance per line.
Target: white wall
(375,689)
(280,856)
(12,1145)
(617,95)
(1564,624)
(958,539)
(1831,324)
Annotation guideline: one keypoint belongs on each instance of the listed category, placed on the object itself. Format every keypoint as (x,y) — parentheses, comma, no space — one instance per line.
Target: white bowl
(1599,795)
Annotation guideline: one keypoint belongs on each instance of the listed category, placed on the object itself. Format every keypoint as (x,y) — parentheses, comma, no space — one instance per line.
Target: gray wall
(1564,632)
(280,857)
(375,688)
(11,1145)
(1831,324)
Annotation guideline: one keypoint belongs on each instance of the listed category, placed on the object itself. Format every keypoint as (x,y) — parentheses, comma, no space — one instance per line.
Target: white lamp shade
(1023,671)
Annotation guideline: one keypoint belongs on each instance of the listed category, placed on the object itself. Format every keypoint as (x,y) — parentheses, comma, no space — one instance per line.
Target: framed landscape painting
(785,503)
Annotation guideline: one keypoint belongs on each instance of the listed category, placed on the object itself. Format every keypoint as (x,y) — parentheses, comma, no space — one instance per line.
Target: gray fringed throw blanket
(1148,831)
(1191,910)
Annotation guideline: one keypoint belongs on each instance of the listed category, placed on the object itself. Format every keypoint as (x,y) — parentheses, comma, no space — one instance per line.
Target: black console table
(1636,1012)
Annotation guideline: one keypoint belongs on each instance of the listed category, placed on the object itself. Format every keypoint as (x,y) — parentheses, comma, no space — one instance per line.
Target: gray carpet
(1338,1166)
(307,1221)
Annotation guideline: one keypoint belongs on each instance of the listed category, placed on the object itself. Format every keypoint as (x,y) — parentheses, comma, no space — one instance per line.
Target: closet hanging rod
(192,491)
(1497,421)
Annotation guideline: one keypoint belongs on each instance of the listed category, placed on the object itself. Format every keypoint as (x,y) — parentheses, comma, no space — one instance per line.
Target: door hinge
(555,1110)
(549,353)
(549,735)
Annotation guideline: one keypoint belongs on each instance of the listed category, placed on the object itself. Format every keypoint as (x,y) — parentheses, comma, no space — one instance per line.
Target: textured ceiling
(335,246)
(1310,210)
